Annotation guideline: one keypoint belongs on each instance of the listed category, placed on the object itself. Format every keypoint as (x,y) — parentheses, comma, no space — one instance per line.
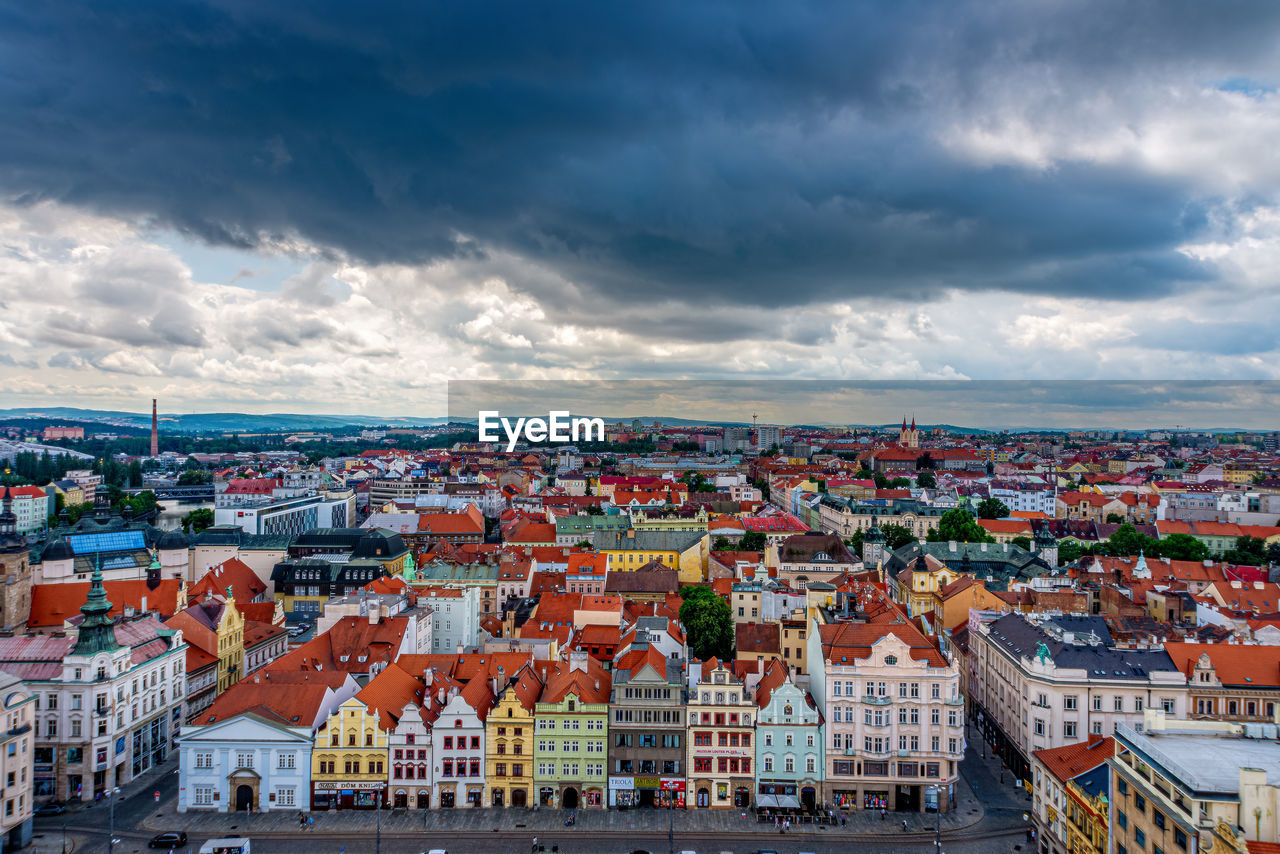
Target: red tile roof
(1072,760)
(1237,665)
(591,685)
(53,604)
(290,698)
(245,584)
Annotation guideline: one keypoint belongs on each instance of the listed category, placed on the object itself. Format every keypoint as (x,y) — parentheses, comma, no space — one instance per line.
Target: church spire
(97,631)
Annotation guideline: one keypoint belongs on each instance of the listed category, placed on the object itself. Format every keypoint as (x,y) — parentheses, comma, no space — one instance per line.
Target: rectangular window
(285,797)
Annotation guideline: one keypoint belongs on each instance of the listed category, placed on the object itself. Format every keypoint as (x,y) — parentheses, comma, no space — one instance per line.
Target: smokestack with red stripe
(155,432)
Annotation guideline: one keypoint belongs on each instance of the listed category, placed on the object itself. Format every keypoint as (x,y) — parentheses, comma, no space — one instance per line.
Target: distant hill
(102,420)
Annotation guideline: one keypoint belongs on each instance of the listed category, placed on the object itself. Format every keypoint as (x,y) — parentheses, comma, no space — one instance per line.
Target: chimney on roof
(951,545)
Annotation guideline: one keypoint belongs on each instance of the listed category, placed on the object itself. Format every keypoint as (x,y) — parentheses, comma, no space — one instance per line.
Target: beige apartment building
(894,714)
(1046,680)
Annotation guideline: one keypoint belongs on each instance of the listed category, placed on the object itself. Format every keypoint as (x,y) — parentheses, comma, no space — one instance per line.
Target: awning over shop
(766,801)
(788,802)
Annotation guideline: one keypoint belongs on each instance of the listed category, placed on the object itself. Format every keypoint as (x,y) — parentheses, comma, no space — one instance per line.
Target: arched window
(786,710)
(457,724)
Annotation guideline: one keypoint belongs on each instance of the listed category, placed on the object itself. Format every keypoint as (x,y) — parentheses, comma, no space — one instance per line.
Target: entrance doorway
(808,798)
(742,797)
(446,799)
(908,799)
(546,796)
(497,797)
(519,798)
(570,799)
(704,798)
(647,797)
(244,797)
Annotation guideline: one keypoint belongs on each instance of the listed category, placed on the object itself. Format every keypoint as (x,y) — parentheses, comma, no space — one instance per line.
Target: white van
(226,845)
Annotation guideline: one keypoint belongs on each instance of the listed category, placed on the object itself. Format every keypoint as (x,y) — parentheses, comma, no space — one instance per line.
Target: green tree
(1022,542)
(855,543)
(594,510)
(135,474)
(896,536)
(584,544)
(197,520)
(1183,547)
(708,623)
(753,541)
(958,525)
(899,483)
(1070,551)
(76,511)
(195,477)
(992,508)
(1126,541)
(1115,519)
(722,544)
(925,461)
(1273,553)
(926,480)
(865,474)
(1251,551)
(882,482)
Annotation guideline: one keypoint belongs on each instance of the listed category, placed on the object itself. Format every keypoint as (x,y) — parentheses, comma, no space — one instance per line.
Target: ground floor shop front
(511,794)
(892,796)
(647,792)
(348,794)
(570,796)
(789,794)
(720,793)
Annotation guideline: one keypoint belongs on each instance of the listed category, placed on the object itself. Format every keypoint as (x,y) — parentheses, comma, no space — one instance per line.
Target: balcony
(19,730)
(876,701)
(953,701)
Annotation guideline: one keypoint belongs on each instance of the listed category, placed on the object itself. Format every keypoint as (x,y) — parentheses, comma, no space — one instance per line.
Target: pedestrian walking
(904,825)
(883,813)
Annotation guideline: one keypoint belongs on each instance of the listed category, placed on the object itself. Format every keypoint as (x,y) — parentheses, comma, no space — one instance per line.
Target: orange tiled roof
(245,584)
(1072,760)
(53,604)
(1237,665)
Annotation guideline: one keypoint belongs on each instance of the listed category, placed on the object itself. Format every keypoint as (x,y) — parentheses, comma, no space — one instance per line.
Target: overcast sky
(336,207)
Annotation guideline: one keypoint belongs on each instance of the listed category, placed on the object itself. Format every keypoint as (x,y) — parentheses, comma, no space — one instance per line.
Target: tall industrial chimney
(155,432)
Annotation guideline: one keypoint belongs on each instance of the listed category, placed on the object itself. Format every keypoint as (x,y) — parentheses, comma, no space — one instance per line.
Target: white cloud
(97,313)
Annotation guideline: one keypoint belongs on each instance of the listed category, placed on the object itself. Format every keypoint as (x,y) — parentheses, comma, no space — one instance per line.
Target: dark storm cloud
(762,153)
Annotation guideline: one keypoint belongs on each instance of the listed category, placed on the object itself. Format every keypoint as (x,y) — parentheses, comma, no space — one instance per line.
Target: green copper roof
(97,632)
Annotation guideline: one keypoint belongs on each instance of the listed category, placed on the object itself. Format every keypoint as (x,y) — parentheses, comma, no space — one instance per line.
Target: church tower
(909,437)
(873,544)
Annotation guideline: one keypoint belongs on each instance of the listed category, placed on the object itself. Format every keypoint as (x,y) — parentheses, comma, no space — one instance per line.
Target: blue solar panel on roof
(107,542)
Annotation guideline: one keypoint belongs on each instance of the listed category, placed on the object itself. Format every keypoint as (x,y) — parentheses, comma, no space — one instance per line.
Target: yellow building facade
(349,760)
(230,645)
(509,743)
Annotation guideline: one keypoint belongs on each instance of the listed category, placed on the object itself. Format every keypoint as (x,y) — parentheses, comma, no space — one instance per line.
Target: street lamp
(937,809)
(111,810)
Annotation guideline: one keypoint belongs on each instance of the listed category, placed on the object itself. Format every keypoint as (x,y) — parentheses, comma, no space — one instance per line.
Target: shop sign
(647,782)
(348,786)
(622,782)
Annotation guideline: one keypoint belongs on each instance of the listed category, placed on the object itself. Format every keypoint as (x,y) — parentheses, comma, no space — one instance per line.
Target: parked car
(169,839)
(50,809)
